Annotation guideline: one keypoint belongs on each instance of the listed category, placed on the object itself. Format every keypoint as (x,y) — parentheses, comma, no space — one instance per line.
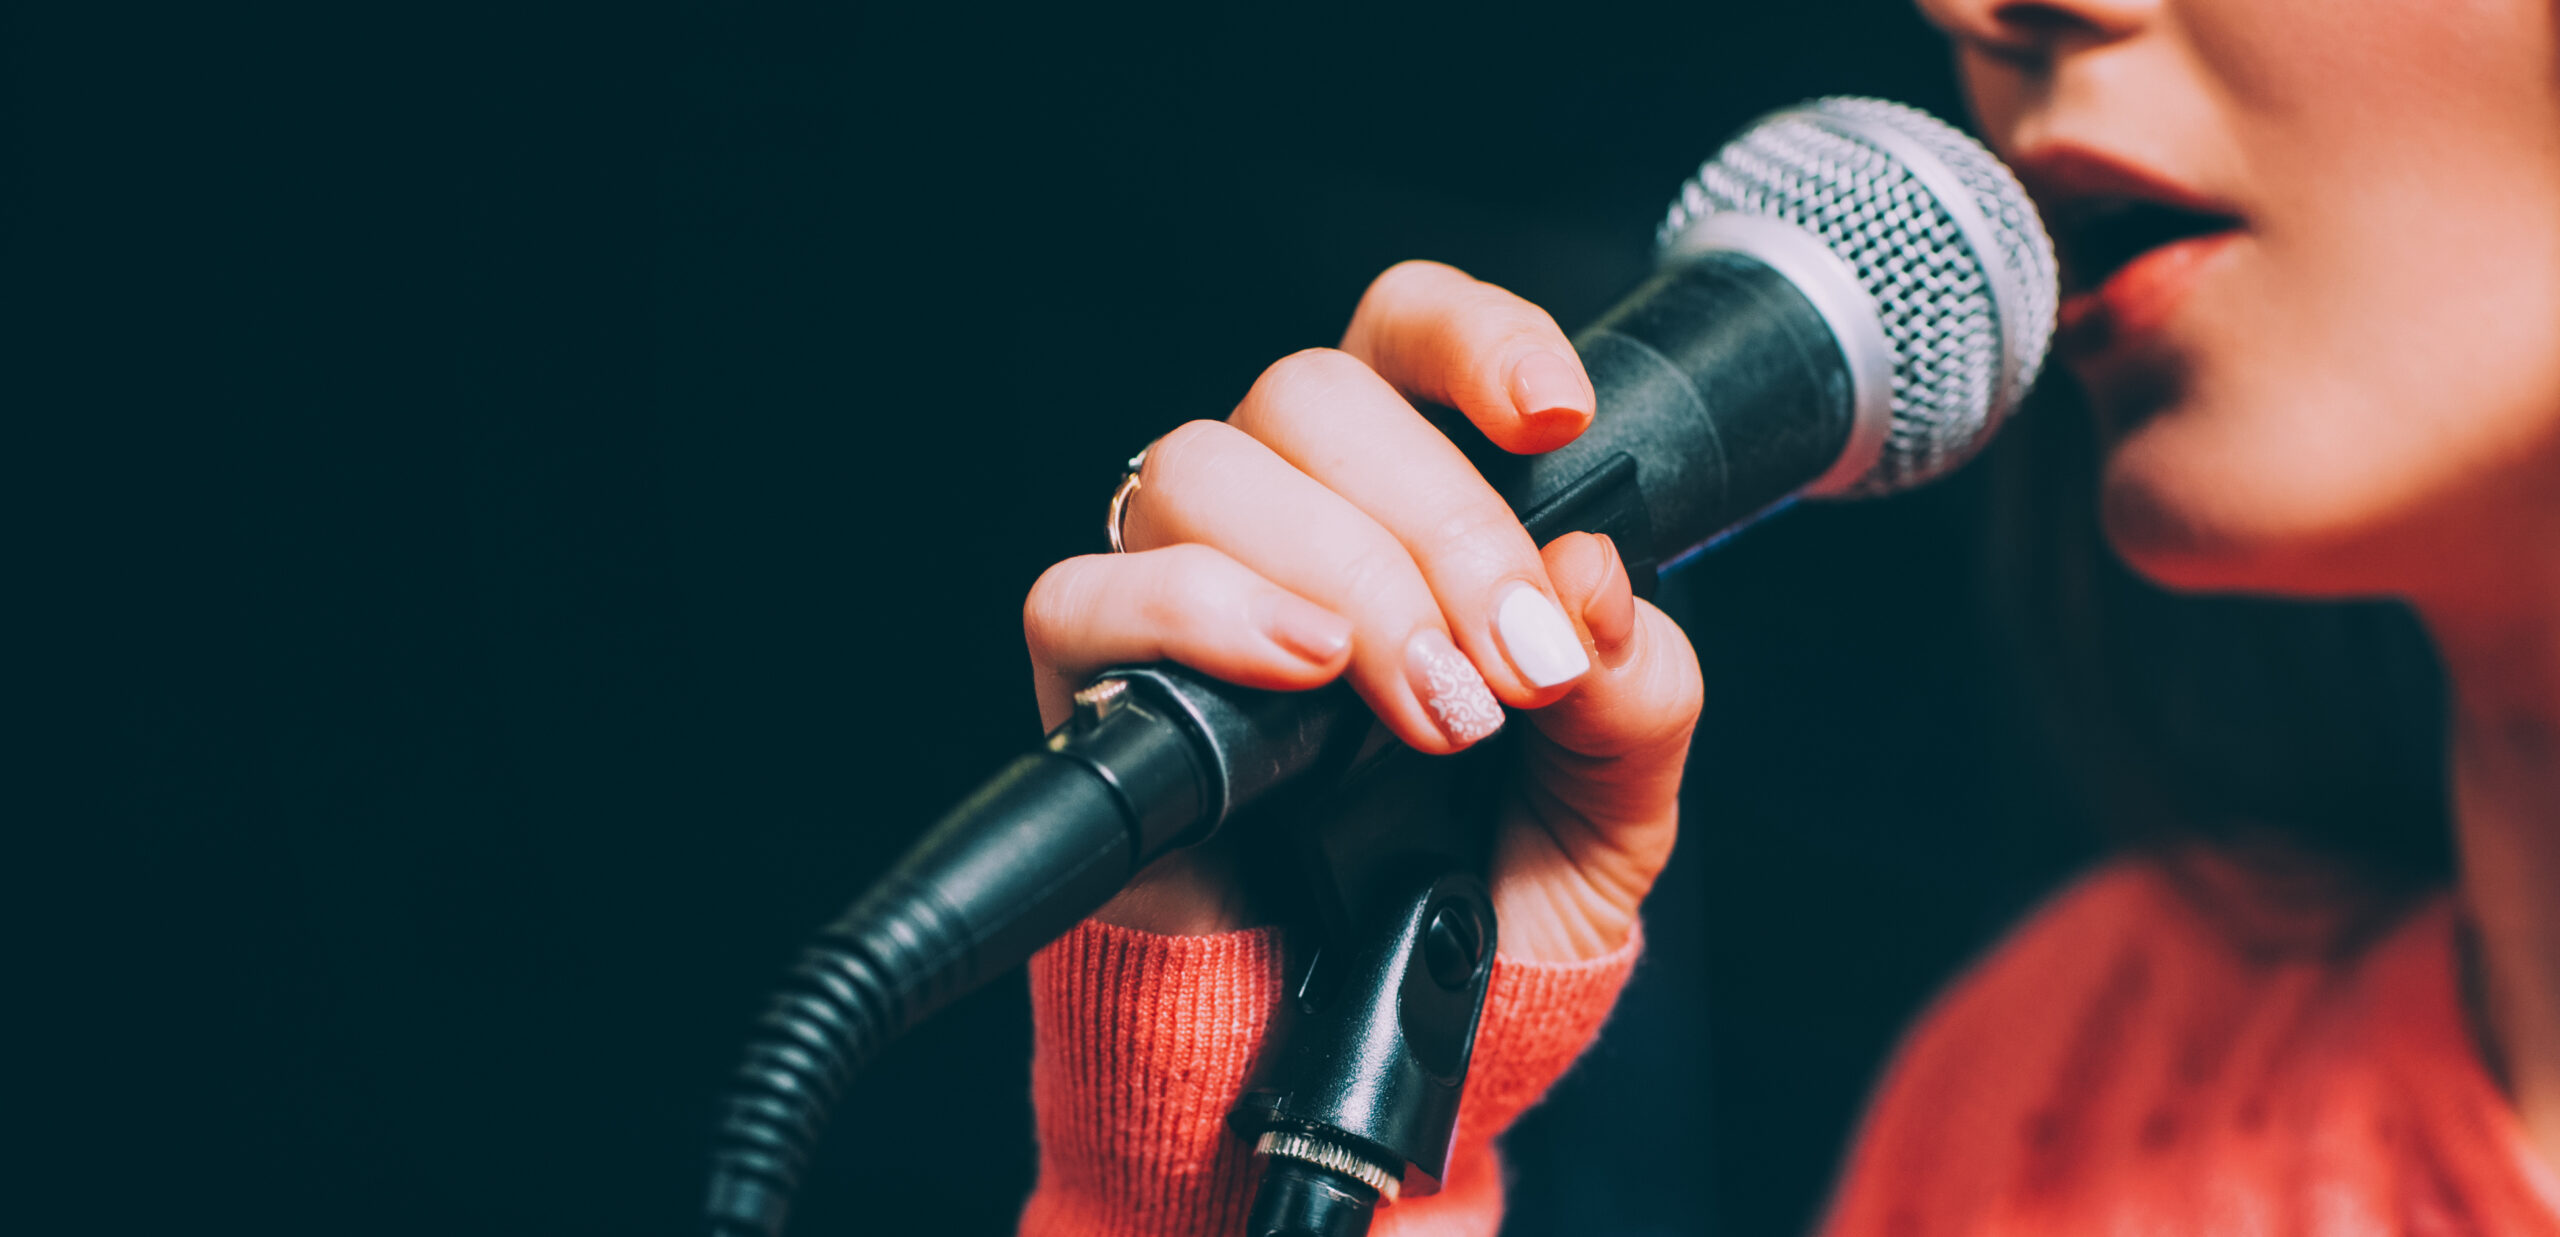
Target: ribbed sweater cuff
(1143,1042)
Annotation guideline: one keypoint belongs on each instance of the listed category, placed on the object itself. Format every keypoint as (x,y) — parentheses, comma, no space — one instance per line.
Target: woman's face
(2312,276)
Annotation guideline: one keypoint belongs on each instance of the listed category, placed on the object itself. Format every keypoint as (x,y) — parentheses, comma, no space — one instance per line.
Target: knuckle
(1515,325)
(1478,389)
(1499,325)
(1191,563)
(1191,449)
(1186,584)
(1477,536)
(1297,388)
(1412,275)
(1379,579)
(1495,332)
(1309,374)
(1167,610)
(1058,601)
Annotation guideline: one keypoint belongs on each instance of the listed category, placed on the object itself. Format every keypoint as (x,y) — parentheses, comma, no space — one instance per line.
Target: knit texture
(2139,1059)
(2151,1054)
(1142,1043)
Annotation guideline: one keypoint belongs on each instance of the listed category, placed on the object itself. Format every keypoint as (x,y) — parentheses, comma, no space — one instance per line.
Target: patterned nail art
(1451,689)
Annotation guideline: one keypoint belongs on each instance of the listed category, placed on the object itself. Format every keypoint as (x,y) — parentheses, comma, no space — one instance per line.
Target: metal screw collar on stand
(1290,1145)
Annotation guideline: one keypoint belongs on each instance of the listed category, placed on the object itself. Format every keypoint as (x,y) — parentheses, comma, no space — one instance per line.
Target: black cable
(838,1008)
(1039,847)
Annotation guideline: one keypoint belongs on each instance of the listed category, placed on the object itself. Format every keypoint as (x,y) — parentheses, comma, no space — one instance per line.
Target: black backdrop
(529,507)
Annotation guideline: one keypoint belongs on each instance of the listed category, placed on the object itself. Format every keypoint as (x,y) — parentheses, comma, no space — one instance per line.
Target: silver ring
(1120,500)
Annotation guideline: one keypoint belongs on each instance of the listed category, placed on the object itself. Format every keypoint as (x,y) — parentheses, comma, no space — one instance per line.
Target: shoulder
(2101,1031)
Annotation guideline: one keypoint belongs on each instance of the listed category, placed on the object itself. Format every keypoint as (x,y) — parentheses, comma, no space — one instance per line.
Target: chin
(2165,542)
(2200,507)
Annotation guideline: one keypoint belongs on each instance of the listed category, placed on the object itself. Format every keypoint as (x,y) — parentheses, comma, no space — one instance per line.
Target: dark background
(524,509)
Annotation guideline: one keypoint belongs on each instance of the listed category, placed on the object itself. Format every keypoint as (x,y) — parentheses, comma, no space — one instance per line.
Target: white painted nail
(1538,637)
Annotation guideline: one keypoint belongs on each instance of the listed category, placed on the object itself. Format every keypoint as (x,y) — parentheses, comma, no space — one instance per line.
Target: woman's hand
(1326,528)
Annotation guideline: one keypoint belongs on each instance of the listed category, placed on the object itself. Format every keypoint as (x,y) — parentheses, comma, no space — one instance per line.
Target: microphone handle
(1722,390)
(1722,386)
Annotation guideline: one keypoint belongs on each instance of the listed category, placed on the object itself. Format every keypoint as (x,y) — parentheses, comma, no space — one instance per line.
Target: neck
(2504,673)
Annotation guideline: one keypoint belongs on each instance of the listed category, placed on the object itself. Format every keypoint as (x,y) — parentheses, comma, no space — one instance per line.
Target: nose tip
(2039,27)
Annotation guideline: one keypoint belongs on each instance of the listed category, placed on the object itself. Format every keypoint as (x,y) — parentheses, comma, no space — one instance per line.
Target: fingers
(1601,808)
(1644,694)
(1333,488)
(1211,483)
(1439,335)
(1184,603)
(1591,576)
(1343,426)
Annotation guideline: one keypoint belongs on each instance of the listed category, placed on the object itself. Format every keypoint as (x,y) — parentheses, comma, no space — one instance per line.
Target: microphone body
(1722,390)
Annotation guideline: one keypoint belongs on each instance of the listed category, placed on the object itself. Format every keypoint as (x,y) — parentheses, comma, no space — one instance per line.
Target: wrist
(1192,892)
(1143,1042)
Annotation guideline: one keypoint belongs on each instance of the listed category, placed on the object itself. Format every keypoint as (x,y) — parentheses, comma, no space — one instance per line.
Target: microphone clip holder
(1356,1102)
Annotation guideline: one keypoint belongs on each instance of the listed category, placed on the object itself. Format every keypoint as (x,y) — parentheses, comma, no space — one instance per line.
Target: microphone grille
(1940,236)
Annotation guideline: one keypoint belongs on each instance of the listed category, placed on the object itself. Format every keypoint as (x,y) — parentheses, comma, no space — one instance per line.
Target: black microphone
(1852,296)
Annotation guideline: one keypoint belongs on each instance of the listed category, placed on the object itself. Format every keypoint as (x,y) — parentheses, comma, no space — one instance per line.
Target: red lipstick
(2133,242)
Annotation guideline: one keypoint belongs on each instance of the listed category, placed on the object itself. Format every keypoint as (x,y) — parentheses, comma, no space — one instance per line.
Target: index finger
(1439,334)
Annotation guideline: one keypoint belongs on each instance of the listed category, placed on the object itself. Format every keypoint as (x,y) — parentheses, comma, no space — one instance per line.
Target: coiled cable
(886,965)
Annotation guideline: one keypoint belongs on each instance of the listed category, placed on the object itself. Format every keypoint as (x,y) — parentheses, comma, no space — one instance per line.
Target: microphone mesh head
(1938,233)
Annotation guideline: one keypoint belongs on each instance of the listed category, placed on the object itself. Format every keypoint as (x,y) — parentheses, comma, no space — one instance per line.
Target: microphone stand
(1356,1101)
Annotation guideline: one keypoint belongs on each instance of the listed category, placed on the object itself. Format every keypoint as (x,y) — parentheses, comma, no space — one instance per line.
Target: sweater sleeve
(1142,1042)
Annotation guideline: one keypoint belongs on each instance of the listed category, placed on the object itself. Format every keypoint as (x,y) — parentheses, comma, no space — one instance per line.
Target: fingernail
(1538,638)
(1312,632)
(1546,386)
(1449,687)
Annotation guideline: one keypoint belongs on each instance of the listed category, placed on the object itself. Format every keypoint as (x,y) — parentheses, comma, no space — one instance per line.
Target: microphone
(1851,296)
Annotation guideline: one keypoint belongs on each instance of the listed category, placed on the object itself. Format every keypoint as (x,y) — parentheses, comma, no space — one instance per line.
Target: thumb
(1601,800)
(1642,697)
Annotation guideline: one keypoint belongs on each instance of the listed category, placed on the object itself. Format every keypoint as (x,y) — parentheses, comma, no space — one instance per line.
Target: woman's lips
(2139,298)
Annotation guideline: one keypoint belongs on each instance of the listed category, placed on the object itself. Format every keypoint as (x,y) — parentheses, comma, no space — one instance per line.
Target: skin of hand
(1327,530)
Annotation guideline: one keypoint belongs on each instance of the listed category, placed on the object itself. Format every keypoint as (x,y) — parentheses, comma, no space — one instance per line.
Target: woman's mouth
(2127,263)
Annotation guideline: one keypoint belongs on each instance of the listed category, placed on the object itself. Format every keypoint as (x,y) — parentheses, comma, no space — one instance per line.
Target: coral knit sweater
(2147,1055)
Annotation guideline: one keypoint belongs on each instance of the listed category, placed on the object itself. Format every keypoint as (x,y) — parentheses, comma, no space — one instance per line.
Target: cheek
(2342,424)
(2377,67)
